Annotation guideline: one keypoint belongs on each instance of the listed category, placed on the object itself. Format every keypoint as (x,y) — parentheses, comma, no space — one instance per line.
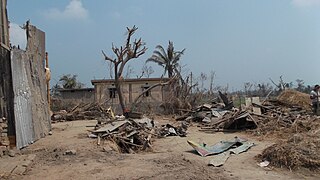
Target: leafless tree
(247,88)
(212,76)
(282,85)
(125,53)
(203,77)
(129,71)
(146,71)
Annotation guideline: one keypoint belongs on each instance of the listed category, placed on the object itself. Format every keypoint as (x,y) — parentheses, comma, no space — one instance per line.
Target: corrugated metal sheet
(31,109)
(22,99)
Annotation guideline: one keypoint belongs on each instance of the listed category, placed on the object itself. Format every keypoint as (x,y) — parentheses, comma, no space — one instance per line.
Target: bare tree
(146,71)
(247,88)
(203,77)
(282,85)
(129,71)
(212,76)
(124,54)
(300,85)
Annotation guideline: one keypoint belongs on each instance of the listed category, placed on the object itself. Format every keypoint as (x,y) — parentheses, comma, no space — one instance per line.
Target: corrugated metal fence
(31,109)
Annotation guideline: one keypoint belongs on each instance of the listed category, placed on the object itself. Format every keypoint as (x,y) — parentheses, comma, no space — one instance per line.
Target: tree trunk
(119,91)
(170,69)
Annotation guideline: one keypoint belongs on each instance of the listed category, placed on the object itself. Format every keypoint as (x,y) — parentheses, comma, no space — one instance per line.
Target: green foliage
(69,81)
(169,59)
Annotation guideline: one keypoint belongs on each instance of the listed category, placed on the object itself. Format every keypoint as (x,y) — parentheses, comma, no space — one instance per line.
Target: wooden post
(48,82)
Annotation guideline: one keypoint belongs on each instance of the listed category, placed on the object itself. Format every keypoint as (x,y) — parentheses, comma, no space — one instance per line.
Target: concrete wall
(131,90)
(7,129)
(77,96)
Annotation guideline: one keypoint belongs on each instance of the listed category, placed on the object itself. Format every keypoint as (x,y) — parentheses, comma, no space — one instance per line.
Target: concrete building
(105,91)
(83,95)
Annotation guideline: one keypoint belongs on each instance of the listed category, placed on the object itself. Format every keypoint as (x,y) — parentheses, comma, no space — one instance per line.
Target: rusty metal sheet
(216,148)
(244,147)
(220,159)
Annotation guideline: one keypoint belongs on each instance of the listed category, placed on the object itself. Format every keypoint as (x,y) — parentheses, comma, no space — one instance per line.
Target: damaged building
(24,107)
(106,92)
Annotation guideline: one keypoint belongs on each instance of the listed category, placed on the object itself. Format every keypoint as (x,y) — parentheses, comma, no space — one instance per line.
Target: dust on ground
(171,158)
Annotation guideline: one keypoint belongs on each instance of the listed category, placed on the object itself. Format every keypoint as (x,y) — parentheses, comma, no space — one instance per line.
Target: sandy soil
(172,158)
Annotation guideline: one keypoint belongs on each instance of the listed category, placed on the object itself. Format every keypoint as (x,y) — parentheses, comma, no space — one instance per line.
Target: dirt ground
(172,158)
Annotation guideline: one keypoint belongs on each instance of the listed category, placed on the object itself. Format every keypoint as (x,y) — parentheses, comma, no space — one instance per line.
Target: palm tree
(169,59)
(70,82)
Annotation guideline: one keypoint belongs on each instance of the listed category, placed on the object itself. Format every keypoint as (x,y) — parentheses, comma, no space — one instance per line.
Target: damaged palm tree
(169,60)
(124,54)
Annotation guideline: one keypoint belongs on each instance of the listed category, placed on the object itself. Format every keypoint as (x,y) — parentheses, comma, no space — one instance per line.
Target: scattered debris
(134,135)
(82,111)
(219,147)
(71,152)
(264,163)
(11,153)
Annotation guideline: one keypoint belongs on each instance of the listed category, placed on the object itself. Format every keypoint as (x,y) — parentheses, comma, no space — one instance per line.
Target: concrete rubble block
(4,125)
(3,149)
(71,152)
(11,153)
(4,141)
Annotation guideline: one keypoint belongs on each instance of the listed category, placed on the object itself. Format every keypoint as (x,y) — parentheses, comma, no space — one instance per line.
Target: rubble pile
(216,117)
(267,117)
(4,140)
(133,135)
(80,112)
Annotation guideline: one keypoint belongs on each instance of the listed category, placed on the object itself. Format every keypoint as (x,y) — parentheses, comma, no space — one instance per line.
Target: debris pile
(288,119)
(264,118)
(133,135)
(80,111)
(218,117)
(299,148)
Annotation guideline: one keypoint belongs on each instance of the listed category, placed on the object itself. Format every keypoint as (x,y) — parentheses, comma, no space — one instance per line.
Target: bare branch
(107,57)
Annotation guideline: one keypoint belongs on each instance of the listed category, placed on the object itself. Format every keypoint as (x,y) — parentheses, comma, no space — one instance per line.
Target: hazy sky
(242,41)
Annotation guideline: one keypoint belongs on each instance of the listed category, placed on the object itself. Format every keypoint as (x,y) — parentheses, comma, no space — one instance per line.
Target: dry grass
(298,145)
(293,97)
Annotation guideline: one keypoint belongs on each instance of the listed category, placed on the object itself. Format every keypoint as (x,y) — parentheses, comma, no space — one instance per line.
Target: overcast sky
(242,41)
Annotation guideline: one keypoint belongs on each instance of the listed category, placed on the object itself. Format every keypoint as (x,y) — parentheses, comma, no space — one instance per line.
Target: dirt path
(172,158)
